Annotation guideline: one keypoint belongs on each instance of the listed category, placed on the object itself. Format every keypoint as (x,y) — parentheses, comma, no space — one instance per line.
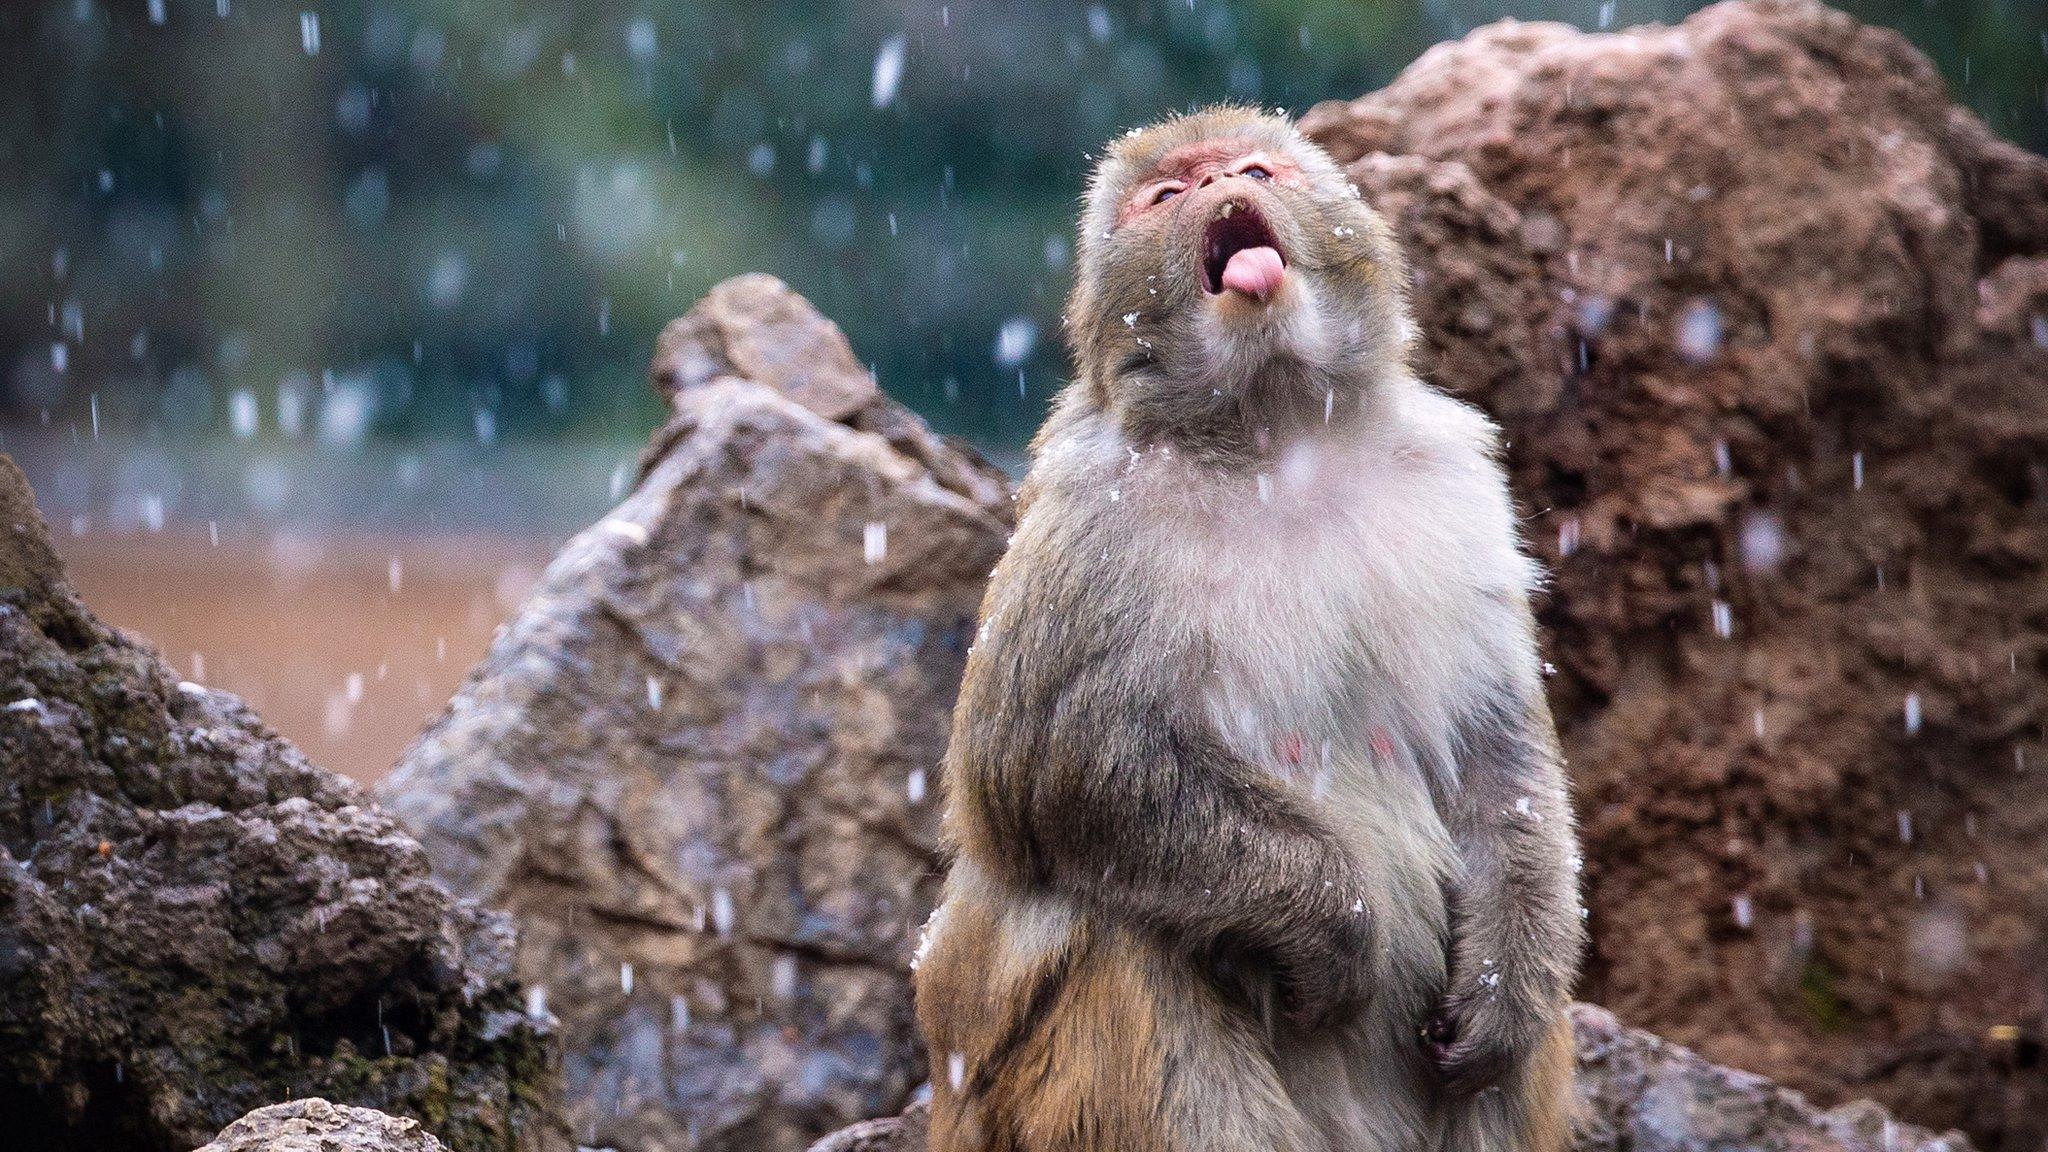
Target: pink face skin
(1195,166)
(1242,261)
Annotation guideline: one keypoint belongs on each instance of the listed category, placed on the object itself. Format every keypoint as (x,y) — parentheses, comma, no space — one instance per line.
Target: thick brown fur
(1260,832)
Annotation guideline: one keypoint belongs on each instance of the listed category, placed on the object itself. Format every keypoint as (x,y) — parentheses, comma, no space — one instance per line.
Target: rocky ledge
(195,921)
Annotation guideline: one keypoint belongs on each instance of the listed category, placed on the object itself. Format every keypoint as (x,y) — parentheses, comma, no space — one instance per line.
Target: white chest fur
(1355,600)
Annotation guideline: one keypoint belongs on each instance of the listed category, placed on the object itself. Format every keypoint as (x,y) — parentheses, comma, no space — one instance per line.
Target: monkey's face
(1224,262)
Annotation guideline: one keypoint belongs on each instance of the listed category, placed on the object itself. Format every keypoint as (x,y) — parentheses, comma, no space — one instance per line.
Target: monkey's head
(1229,280)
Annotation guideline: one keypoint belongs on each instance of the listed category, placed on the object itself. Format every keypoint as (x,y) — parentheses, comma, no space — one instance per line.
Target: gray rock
(901,1133)
(1637,1093)
(317,1126)
(194,920)
(699,766)
(755,327)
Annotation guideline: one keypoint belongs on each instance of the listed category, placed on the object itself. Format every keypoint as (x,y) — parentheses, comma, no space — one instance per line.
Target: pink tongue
(1254,272)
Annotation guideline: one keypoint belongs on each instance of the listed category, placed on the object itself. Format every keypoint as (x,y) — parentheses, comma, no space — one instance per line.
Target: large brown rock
(699,766)
(1637,1093)
(1766,319)
(195,921)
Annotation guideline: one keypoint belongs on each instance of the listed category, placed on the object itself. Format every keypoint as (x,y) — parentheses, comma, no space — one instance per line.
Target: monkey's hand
(1484,1028)
(1322,963)
(1280,913)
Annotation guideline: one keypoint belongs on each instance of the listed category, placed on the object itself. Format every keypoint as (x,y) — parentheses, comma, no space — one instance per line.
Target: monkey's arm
(1516,926)
(1108,785)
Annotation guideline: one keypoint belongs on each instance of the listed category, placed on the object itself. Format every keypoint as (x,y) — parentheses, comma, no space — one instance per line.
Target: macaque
(1260,833)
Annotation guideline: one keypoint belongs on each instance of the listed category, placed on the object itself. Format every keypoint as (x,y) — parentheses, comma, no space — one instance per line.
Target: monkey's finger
(1470,1066)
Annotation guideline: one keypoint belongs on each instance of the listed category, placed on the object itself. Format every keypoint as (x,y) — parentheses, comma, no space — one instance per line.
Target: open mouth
(1240,254)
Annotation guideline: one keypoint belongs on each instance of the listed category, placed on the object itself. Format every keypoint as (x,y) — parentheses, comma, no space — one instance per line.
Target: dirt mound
(195,921)
(1766,319)
(700,765)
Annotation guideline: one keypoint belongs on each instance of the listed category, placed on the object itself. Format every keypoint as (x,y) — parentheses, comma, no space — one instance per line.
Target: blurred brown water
(344,643)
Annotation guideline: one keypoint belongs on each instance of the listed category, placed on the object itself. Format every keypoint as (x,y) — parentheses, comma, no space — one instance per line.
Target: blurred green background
(403,260)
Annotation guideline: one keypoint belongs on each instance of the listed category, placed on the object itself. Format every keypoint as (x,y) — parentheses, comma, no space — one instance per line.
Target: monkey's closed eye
(1166,192)
(1256,172)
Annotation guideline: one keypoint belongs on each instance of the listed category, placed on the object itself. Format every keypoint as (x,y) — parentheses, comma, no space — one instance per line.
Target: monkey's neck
(1248,428)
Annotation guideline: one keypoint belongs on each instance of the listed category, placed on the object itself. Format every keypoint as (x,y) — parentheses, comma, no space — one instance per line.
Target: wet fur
(1251,778)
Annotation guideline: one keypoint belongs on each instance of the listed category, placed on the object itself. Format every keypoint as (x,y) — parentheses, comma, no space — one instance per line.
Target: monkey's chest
(1352,606)
(1342,613)
(1346,656)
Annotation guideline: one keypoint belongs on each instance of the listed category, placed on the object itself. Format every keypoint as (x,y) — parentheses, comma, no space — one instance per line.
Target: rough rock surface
(754,327)
(1636,1094)
(906,1132)
(195,921)
(1765,317)
(317,1126)
(700,765)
